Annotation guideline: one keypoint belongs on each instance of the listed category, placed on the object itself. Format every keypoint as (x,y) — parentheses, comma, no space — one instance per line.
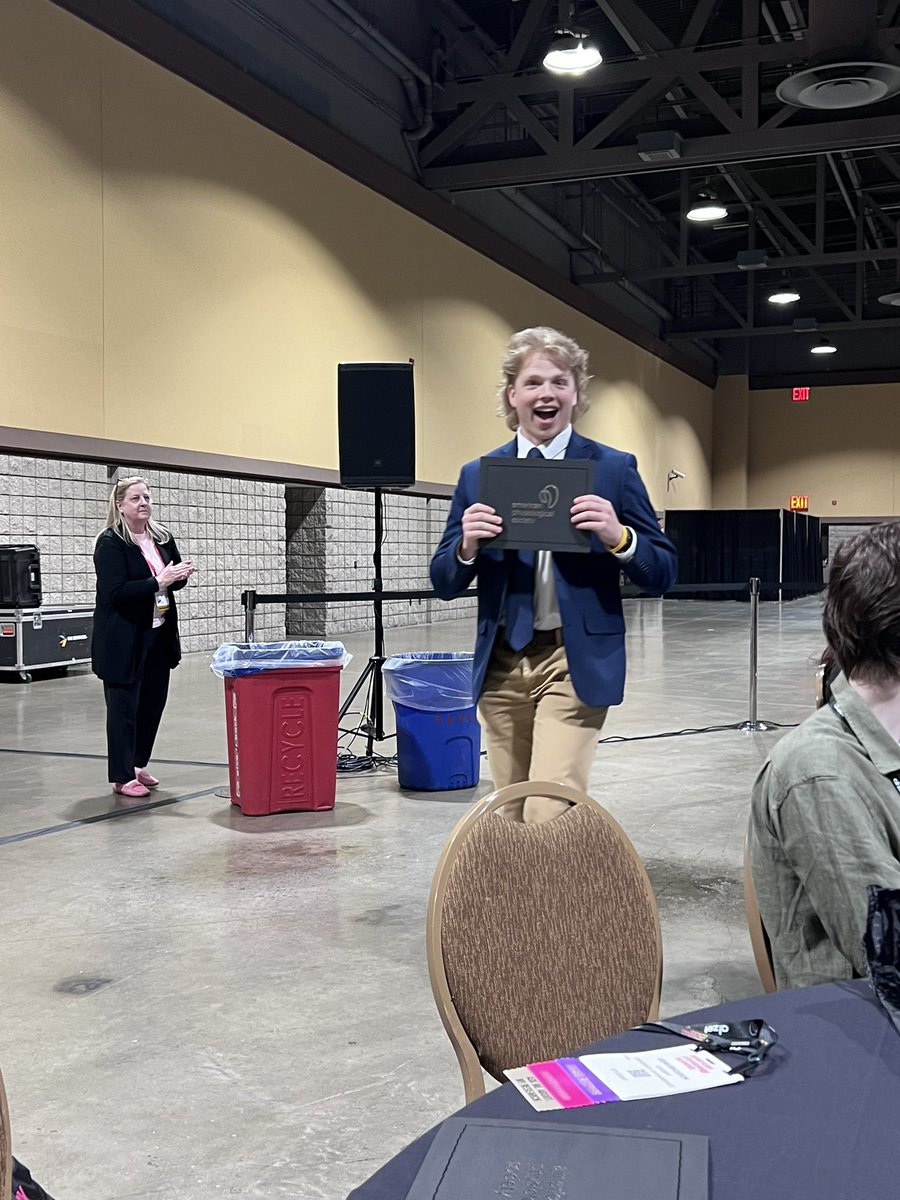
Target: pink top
(154,560)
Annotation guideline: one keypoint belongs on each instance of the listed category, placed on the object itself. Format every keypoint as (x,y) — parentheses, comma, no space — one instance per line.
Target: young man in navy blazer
(550,647)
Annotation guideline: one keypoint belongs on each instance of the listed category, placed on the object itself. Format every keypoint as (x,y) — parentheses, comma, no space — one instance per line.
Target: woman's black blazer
(123,617)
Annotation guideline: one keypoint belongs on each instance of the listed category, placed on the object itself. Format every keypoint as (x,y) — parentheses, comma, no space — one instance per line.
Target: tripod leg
(376,704)
(356,689)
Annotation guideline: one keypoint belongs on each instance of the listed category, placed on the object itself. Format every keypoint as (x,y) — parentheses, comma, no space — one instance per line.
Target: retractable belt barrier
(251,600)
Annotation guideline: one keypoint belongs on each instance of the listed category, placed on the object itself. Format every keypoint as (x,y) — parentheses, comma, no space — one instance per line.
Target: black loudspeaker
(376,424)
(20,577)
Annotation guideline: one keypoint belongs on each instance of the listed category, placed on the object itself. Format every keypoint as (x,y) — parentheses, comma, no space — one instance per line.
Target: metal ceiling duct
(843,71)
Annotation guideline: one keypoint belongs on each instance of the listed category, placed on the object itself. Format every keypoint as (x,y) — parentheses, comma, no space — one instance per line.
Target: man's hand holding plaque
(593,514)
(479,521)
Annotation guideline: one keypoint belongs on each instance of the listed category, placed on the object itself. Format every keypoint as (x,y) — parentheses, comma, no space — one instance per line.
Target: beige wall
(175,274)
(731,435)
(842,445)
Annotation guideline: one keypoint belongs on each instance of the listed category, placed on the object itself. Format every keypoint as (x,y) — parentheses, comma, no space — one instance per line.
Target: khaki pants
(535,726)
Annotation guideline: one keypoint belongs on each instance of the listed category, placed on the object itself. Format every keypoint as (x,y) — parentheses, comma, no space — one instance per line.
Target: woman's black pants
(134,711)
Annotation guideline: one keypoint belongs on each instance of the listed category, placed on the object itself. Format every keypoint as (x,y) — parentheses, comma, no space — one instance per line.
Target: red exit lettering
(799,394)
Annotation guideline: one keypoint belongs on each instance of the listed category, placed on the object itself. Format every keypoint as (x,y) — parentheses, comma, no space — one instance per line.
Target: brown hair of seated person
(861,618)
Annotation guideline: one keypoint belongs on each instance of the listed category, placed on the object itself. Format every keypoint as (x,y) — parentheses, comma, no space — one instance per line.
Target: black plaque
(534,498)
(474,1157)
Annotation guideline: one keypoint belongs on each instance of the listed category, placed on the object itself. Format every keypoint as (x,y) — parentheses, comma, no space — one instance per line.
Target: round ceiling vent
(840,85)
(891,298)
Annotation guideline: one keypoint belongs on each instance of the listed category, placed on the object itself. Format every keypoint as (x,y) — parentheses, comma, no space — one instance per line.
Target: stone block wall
(240,533)
(234,530)
(331,539)
(60,508)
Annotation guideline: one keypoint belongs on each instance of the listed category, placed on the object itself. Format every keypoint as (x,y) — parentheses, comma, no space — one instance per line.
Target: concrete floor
(201,1004)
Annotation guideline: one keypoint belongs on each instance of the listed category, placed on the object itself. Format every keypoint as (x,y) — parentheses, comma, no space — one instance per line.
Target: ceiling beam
(732,58)
(779,330)
(456,132)
(535,17)
(616,75)
(633,24)
(625,112)
(700,18)
(855,133)
(837,258)
(746,181)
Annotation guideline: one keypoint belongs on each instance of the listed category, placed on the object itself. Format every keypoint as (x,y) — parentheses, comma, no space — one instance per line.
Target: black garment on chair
(24,1186)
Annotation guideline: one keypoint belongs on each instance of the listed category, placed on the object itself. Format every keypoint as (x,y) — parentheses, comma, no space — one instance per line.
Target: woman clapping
(135,643)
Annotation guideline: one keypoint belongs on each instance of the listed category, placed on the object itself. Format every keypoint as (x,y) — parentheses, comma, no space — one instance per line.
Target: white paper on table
(608,1078)
(647,1073)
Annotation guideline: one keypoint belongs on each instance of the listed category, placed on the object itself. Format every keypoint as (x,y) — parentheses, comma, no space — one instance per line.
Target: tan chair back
(759,939)
(5,1147)
(542,938)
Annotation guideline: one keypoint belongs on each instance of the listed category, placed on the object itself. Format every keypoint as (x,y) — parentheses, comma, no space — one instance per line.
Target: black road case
(20,577)
(55,636)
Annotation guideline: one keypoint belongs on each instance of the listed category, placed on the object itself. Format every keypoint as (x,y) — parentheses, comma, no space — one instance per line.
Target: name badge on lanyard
(162,602)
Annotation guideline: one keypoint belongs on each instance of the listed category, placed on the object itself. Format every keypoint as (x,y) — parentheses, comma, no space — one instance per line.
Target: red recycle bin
(281,715)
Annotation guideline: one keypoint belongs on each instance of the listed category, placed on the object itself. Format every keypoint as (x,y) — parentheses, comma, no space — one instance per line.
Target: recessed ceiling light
(823,346)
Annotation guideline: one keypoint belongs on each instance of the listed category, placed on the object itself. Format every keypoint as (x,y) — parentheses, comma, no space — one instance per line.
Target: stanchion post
(753,724)
(754,648)
(249,598)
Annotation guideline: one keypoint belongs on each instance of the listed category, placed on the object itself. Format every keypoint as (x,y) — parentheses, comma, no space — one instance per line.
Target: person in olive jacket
(135,643)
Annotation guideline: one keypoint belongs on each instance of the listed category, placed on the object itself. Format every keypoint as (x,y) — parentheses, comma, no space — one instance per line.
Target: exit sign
(799,394)
(799,503)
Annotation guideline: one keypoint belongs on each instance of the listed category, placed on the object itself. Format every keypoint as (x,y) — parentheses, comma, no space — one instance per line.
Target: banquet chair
(759,939)
(5,1147)
(541,938)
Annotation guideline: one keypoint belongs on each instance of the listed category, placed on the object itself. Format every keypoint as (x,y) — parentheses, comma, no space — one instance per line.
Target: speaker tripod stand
(373,720)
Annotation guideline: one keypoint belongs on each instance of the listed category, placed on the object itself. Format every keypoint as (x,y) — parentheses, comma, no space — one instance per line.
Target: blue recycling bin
(438,735)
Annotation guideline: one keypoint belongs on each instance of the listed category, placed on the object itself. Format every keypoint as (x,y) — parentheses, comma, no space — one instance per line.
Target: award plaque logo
(549,495)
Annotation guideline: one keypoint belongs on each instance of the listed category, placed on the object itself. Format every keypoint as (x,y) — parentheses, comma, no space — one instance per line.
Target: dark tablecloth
(819,1120)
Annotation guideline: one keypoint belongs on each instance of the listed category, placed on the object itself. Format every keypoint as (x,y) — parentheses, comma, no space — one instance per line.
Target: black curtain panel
(722,546)
(802,555)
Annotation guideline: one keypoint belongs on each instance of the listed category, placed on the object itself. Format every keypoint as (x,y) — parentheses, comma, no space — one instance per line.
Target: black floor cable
(646,737)
(109,815)
(172,762)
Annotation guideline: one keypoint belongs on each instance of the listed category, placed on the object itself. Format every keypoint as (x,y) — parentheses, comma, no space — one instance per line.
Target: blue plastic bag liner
(251,658)
(431,682)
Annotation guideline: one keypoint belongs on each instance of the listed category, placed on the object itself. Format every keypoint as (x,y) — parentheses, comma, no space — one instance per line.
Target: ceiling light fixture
(783,292)
(706,206)
(823,346)
(570,52)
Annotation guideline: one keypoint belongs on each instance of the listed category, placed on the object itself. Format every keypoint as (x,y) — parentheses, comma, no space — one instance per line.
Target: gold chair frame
(759,939)
(5,1147)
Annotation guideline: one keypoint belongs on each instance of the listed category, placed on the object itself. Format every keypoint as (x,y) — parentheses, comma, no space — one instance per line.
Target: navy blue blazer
(587,585)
